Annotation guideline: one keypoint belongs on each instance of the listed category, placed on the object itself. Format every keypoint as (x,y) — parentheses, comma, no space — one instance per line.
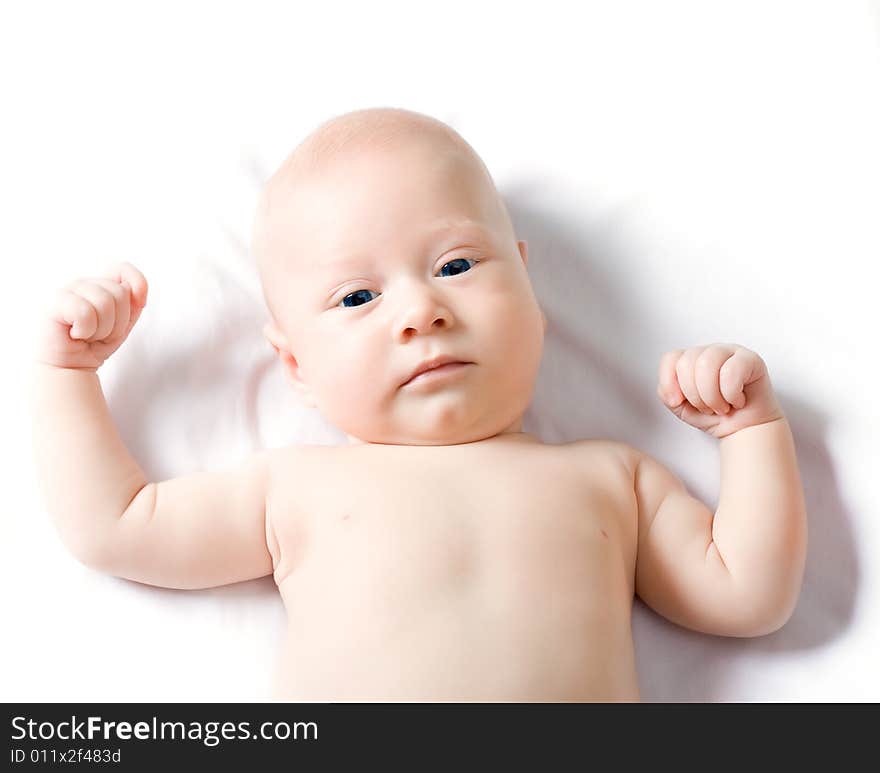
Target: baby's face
(398,257)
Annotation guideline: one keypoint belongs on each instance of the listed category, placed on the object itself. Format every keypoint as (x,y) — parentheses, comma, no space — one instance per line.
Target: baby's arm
(737,572)
(195,531)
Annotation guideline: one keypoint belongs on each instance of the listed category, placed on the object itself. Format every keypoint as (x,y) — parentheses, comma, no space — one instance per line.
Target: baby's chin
(451,414)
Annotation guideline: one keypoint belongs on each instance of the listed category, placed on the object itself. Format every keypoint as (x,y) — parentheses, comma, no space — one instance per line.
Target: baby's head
(382,243)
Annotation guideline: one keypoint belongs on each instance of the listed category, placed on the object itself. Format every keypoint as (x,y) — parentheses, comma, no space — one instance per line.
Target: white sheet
(683,174)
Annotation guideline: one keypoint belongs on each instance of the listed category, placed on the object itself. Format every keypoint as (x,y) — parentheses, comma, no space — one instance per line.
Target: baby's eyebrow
(452,230)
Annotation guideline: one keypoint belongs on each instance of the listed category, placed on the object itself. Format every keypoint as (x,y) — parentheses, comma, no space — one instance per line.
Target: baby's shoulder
(607,453)
(599,465)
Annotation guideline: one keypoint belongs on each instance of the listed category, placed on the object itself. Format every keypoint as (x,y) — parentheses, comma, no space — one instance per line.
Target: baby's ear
(291,367)
(271,333)
(523,251)
(275,337)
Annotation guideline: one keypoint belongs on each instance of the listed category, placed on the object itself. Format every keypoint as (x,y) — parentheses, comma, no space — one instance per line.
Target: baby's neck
(514,432)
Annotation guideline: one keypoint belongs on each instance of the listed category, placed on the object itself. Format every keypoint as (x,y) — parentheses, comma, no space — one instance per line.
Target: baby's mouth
(442,372)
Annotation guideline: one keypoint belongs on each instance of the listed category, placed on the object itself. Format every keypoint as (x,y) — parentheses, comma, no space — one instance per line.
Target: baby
(443,554)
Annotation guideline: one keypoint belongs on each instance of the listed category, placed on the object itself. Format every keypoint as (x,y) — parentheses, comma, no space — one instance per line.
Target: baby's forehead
(342,249)
(310,213)
(329,218)
(325,157)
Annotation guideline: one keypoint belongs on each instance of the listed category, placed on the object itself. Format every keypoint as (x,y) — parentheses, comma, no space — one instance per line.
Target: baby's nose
(423,313)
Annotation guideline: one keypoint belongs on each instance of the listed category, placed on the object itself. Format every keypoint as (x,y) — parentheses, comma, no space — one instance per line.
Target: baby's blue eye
(357,297)
(458,269)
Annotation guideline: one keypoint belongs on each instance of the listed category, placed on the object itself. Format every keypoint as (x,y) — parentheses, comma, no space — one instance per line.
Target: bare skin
(516,584)
(444,554)
(514,580)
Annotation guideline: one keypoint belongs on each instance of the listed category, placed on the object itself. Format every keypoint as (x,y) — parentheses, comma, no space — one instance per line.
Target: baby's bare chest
(394,528)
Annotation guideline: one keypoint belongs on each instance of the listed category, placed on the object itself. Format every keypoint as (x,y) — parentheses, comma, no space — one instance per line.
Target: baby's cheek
(516,314)
(519,336)
(352,382)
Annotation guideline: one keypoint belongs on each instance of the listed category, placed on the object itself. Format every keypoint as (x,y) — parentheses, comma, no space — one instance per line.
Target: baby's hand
(90,318)
(719,389)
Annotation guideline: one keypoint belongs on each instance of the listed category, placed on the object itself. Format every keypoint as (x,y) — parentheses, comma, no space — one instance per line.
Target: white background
(684,172)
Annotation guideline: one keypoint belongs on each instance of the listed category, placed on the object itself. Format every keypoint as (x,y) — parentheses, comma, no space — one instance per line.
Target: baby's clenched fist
(720,388)
(90,318)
